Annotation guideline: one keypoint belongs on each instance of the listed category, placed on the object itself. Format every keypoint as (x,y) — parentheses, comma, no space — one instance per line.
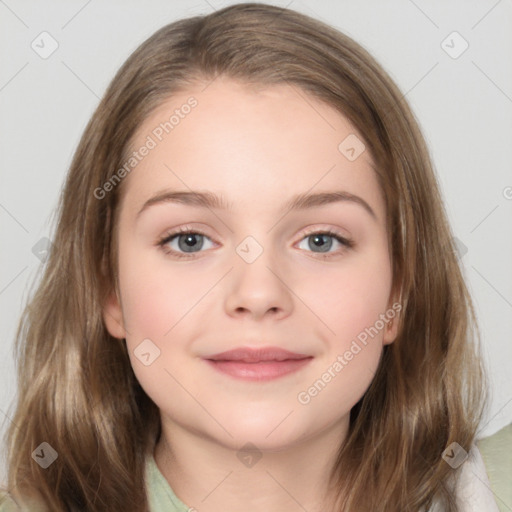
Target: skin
(257,150)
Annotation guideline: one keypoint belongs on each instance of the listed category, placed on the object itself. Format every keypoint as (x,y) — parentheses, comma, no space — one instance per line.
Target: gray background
(464,106)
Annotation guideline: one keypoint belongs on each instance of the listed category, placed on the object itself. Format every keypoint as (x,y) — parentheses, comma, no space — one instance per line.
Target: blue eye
(189,242)
(322,240)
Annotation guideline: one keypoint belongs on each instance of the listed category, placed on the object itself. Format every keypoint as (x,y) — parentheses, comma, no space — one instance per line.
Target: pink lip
(256,355)
(258,364)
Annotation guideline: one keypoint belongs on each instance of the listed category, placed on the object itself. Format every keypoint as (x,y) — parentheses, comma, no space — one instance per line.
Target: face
(252,272)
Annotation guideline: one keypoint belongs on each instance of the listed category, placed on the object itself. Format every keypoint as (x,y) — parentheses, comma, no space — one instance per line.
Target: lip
(260,364)
(257,355)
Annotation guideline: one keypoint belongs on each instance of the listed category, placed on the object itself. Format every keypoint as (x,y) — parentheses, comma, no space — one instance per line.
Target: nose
(258,289)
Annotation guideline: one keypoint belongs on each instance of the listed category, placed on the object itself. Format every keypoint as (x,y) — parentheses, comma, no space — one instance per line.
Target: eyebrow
(298,202)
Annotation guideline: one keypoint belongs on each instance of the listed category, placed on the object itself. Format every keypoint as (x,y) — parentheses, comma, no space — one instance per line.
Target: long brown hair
(77,390)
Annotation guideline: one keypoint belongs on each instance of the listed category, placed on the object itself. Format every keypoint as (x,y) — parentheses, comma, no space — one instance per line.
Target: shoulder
(7,504)
(11,502)
(496,453)
(474,492)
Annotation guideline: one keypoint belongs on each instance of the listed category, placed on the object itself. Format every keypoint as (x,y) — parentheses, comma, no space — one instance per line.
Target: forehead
(254,146)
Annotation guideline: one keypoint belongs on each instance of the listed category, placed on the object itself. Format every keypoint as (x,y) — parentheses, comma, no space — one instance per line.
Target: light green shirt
(160,495)
(496,452)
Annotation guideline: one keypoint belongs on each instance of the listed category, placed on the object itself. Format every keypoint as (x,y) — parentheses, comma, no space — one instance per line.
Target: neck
(211,477)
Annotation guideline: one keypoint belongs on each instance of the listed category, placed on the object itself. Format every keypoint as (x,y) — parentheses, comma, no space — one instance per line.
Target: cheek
(352,352)
(155,295)
(155,303)
(150,307)
(350,297)
(353,302)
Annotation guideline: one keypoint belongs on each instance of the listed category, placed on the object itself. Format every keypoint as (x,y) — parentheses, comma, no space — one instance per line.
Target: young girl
(314,352)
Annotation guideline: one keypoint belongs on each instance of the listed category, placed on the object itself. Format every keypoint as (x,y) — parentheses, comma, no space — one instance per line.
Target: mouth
(258,364)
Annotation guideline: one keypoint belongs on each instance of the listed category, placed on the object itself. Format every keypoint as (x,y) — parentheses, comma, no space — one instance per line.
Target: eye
(323,241)
(183,243)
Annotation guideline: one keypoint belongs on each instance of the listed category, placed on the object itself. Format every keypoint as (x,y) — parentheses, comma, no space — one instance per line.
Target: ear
(113,316)
(391,329)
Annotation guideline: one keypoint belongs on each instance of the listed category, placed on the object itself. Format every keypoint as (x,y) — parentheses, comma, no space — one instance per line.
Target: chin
(267,434)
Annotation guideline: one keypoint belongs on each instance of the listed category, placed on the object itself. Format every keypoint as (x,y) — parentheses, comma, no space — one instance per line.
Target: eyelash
(346,242)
